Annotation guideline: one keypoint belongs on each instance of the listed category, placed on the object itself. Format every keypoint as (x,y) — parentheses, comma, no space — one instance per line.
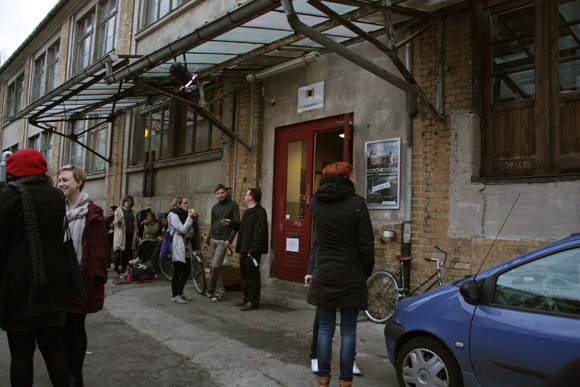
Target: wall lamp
(179,72)
(306,59)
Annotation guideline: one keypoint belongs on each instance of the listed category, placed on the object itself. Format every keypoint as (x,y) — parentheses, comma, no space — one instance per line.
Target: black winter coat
(23,304)
(253,232)
(345,255)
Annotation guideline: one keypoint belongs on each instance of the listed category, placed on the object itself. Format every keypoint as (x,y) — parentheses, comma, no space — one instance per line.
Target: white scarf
(77,220)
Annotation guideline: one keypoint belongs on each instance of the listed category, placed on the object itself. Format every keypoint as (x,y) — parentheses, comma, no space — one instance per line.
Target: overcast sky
(18,19)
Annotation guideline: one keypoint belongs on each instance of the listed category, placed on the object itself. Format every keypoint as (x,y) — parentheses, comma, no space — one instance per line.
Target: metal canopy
(247,39)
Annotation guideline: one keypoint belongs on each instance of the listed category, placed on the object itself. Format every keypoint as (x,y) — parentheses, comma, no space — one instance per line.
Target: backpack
(139,273)
(165,252)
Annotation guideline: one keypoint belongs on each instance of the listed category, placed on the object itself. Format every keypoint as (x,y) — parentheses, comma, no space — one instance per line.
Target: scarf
(181,213)
(31,226)
(77,220)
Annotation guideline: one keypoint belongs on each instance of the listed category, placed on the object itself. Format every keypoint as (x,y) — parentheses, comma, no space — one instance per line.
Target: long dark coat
(23,304)
(344,256)
(94,262)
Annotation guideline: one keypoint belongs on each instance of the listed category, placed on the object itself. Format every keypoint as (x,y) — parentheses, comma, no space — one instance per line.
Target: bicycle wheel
(382,296)
(198,275)
(166,268)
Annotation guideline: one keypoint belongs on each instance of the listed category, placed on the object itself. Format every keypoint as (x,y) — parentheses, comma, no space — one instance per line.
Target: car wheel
(426,362)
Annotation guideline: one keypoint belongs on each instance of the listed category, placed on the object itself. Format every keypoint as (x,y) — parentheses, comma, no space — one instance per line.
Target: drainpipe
(411,112)
(339,49)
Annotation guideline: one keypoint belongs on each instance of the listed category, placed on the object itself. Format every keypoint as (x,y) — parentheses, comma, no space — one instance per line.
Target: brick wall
(431,156)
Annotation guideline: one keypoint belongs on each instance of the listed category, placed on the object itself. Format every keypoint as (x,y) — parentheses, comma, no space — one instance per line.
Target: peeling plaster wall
(544,211)
(378,107)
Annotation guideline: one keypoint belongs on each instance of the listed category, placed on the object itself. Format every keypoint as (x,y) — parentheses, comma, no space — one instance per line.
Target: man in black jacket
(252,243)
(219,240)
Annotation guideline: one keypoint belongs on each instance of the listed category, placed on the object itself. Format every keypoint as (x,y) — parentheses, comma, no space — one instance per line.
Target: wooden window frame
(537,123)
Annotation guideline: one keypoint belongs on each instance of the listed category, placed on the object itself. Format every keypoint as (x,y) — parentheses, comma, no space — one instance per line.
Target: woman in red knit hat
(35,280)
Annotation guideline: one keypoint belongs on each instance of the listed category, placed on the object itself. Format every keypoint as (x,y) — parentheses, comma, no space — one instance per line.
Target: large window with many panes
(173,129)
(91,132)
(107,26)
(531,89)
(13,97)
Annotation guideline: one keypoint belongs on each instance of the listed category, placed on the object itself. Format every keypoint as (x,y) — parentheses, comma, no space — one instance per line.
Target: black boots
(76,380)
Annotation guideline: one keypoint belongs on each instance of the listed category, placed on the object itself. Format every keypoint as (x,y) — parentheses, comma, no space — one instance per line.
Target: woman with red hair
(344,258)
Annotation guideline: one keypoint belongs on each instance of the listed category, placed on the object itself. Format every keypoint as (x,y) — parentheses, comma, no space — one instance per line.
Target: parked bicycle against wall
(197,272)
(384,290)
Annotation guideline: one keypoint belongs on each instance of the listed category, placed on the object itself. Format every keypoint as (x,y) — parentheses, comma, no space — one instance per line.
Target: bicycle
(384,291)
(197,272)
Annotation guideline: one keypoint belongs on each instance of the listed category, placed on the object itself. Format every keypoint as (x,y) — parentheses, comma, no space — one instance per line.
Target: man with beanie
(35,279)
(219,240)
(252,243)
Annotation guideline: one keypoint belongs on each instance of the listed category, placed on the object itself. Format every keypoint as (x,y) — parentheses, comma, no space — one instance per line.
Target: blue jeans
(348,319)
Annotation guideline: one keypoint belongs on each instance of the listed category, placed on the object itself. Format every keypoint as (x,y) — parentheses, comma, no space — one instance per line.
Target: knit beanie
(26,162)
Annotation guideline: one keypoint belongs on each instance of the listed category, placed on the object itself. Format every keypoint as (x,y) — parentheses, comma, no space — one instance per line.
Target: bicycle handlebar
(444,252)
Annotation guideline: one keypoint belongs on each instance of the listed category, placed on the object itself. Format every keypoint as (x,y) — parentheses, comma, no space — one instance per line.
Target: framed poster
(383,173)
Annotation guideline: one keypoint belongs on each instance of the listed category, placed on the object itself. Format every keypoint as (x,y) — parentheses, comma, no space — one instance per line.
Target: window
(52,58)
(530,125)
(38,83)
(107,27)
(92,135)
(46,147)
(14,97)
(156,9)
(34,142)
(84,33)
(550,283)
(175,129)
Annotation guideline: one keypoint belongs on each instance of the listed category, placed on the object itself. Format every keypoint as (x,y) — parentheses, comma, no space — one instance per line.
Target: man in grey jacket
(219,240)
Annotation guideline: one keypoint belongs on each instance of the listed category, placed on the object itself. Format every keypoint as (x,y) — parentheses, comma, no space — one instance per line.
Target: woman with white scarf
(180,220)
(86,223)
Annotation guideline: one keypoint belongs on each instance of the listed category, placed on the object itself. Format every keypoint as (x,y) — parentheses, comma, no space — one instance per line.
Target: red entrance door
(302,152)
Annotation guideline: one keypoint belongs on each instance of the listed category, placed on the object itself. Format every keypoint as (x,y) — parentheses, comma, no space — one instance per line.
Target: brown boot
(342,383)
(323,382)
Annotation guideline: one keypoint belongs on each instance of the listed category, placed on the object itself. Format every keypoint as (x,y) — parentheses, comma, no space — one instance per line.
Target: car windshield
(548,283)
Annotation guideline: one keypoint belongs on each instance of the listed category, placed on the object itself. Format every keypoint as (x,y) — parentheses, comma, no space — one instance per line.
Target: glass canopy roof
(256,42)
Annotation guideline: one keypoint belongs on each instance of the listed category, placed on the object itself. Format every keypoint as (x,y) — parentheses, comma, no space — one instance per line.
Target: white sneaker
(355,369)
(178,300)
(134,261)
(314,365)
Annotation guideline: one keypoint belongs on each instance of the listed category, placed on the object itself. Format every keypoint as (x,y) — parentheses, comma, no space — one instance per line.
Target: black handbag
(73,264)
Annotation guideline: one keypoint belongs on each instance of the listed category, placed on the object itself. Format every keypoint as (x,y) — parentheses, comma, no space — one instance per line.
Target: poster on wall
(383,173)
(311,97)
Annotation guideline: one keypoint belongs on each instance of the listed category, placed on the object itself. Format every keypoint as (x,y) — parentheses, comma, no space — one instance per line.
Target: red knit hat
(26,162)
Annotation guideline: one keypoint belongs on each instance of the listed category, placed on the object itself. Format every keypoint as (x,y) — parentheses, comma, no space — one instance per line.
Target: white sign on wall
(311,97)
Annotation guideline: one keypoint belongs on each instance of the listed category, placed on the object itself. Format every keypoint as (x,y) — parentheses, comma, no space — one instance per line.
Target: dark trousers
(251,275)
(145,250)
(22,346)
(127,254)
(74,339)
(155,254)
(181,273)
(314,344)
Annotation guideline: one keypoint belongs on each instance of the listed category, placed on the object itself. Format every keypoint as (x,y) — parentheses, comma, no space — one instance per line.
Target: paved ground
(142,339)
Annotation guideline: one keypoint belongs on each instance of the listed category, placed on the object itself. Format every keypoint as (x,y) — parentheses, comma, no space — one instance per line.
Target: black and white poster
(383,173)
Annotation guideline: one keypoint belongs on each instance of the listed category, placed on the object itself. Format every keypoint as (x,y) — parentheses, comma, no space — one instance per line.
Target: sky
(18,19)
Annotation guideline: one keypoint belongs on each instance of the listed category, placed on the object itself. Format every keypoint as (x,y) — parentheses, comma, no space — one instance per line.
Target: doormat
(276,308)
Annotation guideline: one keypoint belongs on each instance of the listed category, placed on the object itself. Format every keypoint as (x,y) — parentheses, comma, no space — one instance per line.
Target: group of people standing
(39,303)
(181,223)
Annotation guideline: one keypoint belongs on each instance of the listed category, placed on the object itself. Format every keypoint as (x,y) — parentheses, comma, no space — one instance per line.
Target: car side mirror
(470,292)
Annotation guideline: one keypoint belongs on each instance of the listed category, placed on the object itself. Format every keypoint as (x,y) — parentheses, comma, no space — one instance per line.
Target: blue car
(515,324)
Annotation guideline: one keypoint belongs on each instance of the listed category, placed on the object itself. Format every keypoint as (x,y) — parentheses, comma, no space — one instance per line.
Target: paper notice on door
(292,244)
